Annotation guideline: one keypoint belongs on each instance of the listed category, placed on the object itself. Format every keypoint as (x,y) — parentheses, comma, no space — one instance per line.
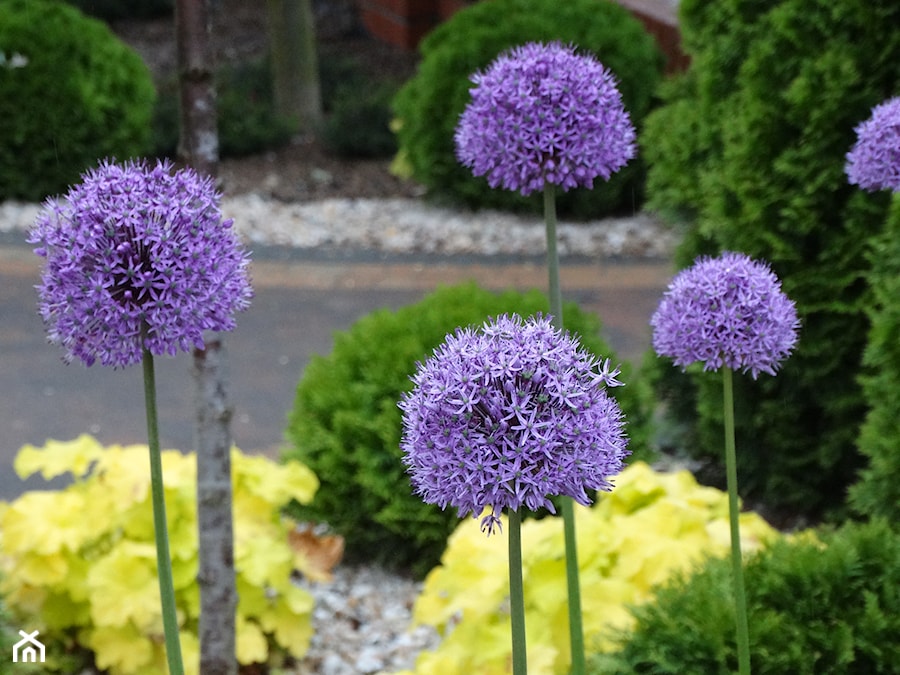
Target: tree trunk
(295,67)
(198,147)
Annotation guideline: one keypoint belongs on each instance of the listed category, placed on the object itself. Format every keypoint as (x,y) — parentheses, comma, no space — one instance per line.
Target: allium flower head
(509,415)
(137,245)
(874,161)
(727,311)
(542,114)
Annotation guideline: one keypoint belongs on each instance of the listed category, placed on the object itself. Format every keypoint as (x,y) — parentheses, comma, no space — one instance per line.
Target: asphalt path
(300,301)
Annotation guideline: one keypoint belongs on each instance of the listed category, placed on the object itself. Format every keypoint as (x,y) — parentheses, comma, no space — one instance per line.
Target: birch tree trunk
(295,65)
(198,147)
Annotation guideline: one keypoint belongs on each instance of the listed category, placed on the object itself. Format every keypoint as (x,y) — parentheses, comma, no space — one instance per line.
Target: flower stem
(740,598)
(517,595)
(163,559)
(576,632)
(552,256)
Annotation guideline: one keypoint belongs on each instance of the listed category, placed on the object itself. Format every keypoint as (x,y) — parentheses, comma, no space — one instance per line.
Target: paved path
(299,303)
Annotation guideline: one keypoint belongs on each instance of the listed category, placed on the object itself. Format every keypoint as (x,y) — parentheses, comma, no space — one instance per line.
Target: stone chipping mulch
(413,226)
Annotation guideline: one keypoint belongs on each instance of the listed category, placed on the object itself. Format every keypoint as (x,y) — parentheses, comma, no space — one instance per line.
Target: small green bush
(813,609)
(429,105)
(345,424)
(778,88)
(75,94)
(878,491)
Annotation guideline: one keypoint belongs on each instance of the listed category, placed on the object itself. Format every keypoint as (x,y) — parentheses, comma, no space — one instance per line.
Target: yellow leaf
(120,648)
(45,570)
(277,483)
(45,522)
(124,587)
(289,621)
(251,646)
(261,565)
(58,457)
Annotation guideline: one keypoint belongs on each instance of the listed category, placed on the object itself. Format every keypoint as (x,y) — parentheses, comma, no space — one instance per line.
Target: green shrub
(358,124)
(357,105)
(878,491)
(74,95)
(813,609)
(429,105)
(778,88)
(247,121)
(345,424)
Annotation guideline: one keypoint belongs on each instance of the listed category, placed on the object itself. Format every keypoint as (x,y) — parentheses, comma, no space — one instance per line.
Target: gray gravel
(414,226)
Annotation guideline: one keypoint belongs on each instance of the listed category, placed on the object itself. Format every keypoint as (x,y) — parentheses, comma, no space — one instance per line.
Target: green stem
(552,256)
(163,559)
(517,595)
(740,598)
(576,632)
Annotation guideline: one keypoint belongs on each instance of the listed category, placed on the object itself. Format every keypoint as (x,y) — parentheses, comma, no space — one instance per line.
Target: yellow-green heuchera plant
(653,525)
(80,565)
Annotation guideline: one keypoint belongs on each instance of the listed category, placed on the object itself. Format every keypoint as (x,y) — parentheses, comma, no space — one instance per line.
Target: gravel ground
(412,226)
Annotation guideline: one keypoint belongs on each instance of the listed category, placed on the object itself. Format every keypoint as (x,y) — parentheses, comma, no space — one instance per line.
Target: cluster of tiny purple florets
(542,114)
(137,250)
(508,415)
(727,311)
(874,161)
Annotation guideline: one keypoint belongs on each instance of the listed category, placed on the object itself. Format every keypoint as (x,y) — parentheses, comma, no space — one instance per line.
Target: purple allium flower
(727,311)
(136,245)
(874,161)
(509,415)
(542,114)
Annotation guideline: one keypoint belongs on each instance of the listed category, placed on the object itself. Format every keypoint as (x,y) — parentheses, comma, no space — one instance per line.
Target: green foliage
(70,94)
(358,124)
(247,121)
(878,490)
(357,104)
(429,105)
(345,424)
(814,609)
(778,88)
(80,563)
(650,527)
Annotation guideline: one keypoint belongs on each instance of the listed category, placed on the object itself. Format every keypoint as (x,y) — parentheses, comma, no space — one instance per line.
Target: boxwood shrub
(778,88)
(345,424)
(429,105)
(814,608)
(71,93)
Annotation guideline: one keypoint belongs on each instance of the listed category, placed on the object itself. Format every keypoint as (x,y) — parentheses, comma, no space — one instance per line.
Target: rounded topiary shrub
(429,105)
(778,89)
(70,94)
(814,608)
(345,424)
